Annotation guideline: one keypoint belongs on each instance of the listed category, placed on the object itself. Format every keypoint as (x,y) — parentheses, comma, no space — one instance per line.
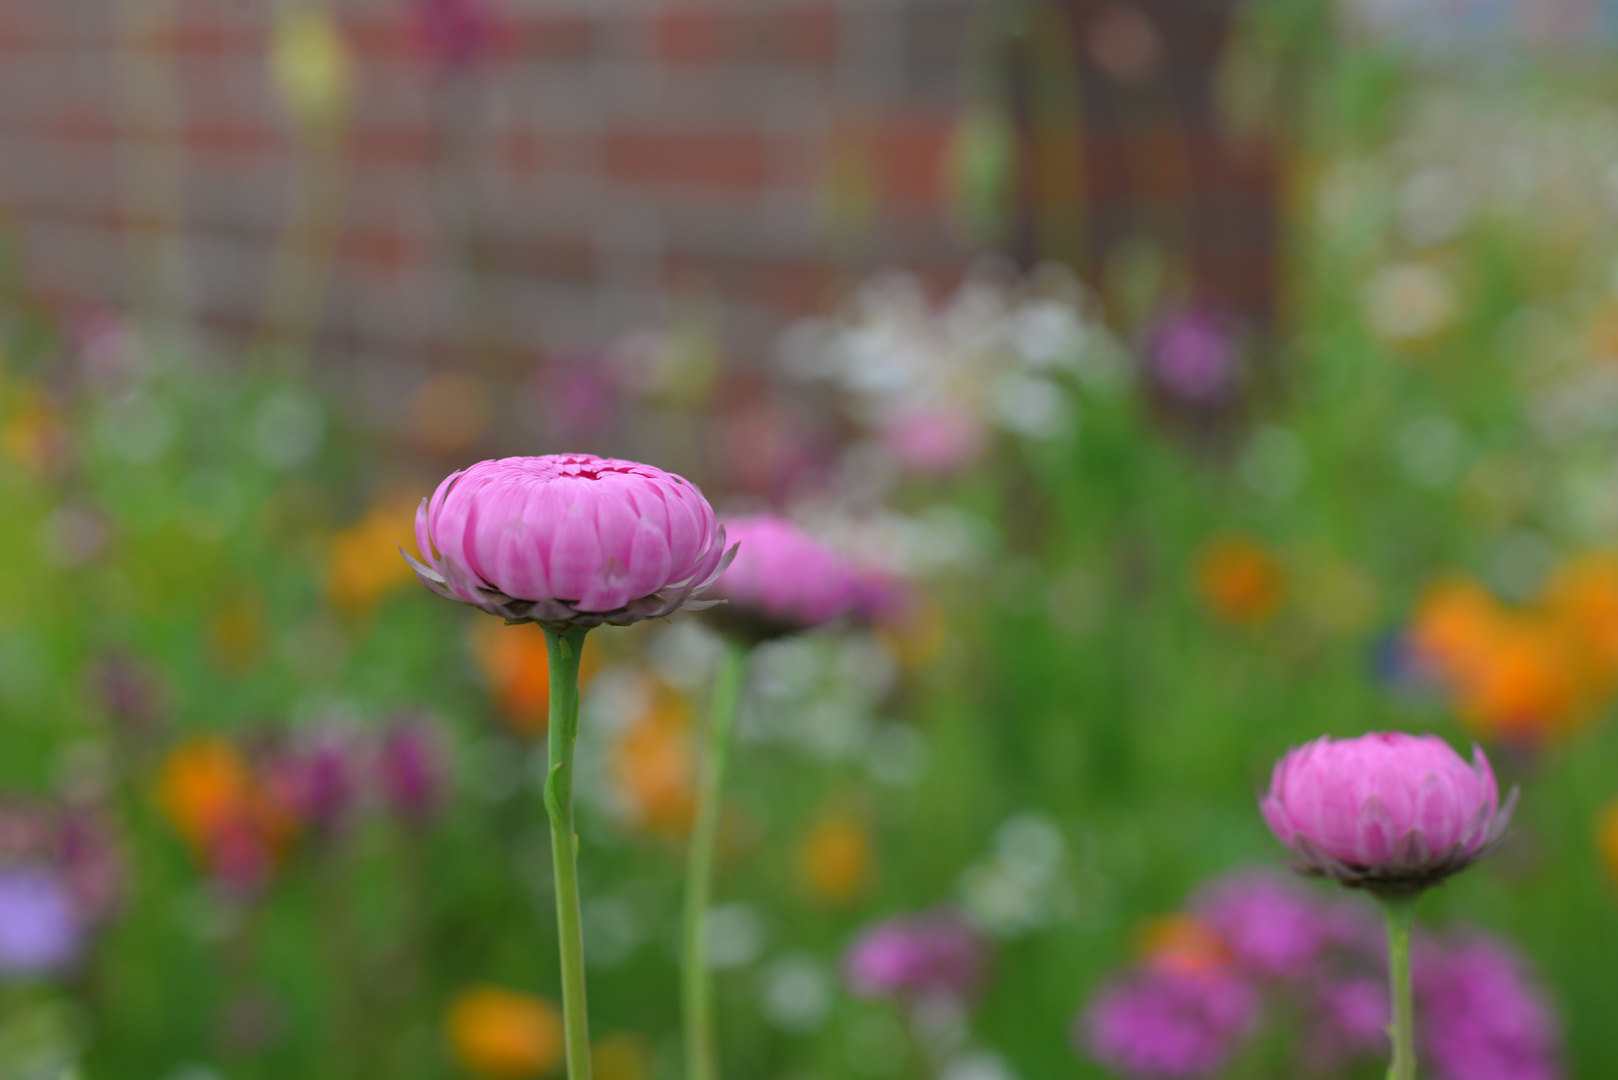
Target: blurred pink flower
(569,540)
(933,954)
(940,438)
(1386,811)
(782,579)
(1353,1022)
(317,781)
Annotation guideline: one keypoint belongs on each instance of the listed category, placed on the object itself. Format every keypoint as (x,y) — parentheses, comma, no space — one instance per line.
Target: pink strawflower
(569,540)
(934,954)
(1169,1025)
(1480,1017)
(1267,923)
(782,579)
(1387,811)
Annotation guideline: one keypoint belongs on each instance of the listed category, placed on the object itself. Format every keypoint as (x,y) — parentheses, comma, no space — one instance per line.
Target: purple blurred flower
(578,401)
(933,954)
(1169,1025)
(133,691)
(90,862)
(1193,354)
(881,595)
(40,929)
(1480,1018)
(412,769)
(1268,924)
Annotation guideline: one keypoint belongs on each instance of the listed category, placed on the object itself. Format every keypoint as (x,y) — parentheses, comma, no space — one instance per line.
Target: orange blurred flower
(1184,944)
(515,662)
(1240,581)
(1607,838)
(505,1034)
(363,563)
(622,1056)
(835,859)
(1529,673)
(653,765)
(235,824)
(1583,597)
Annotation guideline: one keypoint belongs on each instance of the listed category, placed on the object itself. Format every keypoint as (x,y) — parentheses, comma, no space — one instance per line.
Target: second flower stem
(696,990)
(1400,915)
(564,649)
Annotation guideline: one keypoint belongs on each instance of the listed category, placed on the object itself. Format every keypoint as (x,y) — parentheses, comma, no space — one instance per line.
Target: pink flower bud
(569,540)
(782,580)
(1389,812)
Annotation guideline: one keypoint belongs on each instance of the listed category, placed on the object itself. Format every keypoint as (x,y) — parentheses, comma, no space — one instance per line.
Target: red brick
(907,158)
(402,146)
(691,34)
(555,37)
(733,159)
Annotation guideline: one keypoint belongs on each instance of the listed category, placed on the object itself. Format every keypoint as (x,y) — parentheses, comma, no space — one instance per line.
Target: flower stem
(1399,911)
(564,649)
(696,990)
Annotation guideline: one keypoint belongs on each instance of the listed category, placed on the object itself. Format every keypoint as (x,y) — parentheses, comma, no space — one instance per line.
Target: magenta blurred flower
(939,438)
(1169,1025)
(933,954)
(569,540)
(782,580)
(1268,925)
(412,768)
(133,691)
(90,862)
(1389,812)
(1193,354)
(1352,1022)
(455,34)
(880,595)
(318,782)
(40,928)
(1480,1017)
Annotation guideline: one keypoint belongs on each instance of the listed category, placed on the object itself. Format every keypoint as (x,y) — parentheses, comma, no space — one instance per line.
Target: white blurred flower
(1409,301)
(796,992)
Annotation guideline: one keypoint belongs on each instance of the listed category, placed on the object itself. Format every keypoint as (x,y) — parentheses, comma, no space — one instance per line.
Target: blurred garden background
(1206,376)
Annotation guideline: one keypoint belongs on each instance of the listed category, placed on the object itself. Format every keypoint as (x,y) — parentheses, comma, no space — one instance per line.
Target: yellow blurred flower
(622,1056)
(311,68)
(1240,581)
(1607,838)
(917,635)
(36,438)
(835,859)
(235,635)
(505,1034)
(363,563)
(515,661)
(653,766)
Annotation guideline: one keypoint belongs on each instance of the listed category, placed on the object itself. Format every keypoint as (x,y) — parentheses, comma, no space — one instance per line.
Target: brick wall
(600,157)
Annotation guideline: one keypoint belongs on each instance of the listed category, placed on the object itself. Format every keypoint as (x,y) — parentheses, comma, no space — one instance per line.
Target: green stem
(564,650)
(701,1057)
(1399,912)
